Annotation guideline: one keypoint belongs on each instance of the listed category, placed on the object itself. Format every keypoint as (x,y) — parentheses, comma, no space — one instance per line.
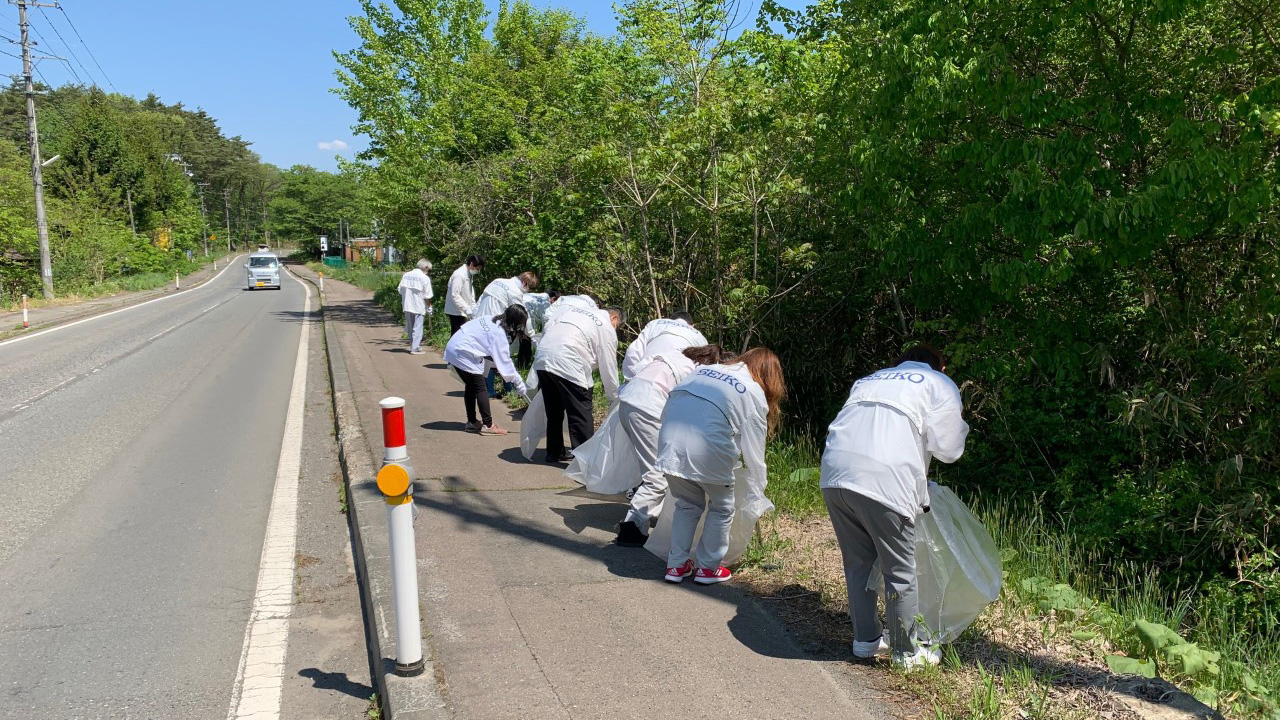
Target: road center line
(259,685)
(46,393)
(179,293)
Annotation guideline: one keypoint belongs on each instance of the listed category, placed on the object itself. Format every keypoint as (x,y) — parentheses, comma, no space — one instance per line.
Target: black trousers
(563,397)
(455,322)
(475,395)
(525,357)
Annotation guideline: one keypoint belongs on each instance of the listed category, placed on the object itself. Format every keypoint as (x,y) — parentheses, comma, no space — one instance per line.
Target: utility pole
(226,201)
(204,216)
(33,140)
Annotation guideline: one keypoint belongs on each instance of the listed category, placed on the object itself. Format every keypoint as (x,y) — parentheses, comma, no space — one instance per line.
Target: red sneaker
(711,577)
(678,574)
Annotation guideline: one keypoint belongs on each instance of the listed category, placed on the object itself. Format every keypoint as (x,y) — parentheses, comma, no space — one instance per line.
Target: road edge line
(416,698)
(258,691)
(84,318)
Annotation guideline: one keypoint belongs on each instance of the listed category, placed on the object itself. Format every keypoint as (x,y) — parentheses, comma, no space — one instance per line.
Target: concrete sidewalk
(50,315)
(530,611)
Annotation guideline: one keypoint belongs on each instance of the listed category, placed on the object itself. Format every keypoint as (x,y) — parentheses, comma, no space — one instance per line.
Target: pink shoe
(678,574)
(711,577)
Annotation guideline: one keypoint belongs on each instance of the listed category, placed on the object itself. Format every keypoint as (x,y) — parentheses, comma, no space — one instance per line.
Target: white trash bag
(533,426)
(607,463)
(958,569)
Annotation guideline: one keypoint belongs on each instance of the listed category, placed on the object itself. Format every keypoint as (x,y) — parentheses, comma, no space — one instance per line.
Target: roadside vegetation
(125,195)
(1077,201)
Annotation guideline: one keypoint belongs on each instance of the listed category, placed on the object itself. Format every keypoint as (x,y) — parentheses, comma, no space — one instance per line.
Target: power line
(74,74)
(93,57)
(67,45)
(2,52)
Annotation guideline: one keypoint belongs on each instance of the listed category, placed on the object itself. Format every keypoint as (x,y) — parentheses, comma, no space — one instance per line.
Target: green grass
(1112,595)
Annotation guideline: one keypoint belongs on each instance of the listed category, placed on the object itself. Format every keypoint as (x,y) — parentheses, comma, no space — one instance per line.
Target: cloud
(332,145)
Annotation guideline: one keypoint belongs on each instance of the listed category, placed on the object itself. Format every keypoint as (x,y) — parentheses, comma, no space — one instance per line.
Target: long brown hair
(766,370)
(707,354)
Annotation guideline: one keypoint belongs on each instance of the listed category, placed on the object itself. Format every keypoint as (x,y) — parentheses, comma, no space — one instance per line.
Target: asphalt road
(138,454)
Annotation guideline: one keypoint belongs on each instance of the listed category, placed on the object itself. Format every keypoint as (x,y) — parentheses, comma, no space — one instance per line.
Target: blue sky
(263,68)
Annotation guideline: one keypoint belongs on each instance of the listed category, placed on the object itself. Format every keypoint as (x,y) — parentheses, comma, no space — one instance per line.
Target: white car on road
(263,271)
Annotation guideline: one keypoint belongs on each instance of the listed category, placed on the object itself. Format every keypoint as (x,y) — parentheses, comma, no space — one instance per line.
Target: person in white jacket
(565,302)
(717,415)
(479,343)
(579,342)
(873,475)
(460,296)
(640,405)
(415,302)
(499,295)
(667,336)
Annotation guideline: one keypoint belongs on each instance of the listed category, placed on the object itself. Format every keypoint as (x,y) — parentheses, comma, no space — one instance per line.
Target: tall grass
(1036,546)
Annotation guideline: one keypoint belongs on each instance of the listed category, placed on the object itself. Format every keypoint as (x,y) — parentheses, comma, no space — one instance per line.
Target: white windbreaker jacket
(575,344)
(893,423)
(500,295)
(478,341)
(415,292)
(660,337)
(649,389)
(460,298)
(564,303)
(716,415)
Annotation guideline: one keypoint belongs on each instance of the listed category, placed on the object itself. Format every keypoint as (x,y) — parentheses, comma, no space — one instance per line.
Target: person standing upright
(576,344)
(415,301)
(873,481)
(460,300)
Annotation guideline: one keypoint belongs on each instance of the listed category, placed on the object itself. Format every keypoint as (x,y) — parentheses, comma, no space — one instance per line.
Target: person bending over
(718,414)
(640,405)
(667,335)
(873,481)
(478,343)
(578,342)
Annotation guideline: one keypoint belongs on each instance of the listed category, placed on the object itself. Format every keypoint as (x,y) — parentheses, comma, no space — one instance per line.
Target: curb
(414,698)
(104,308)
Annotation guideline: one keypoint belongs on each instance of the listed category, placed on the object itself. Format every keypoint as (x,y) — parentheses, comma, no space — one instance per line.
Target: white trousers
(692,498)
(413,328)
(642,428)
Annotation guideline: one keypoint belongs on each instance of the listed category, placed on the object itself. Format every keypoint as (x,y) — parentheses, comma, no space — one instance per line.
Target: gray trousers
(643,429)
(692,499)
(867,531)
(413,328)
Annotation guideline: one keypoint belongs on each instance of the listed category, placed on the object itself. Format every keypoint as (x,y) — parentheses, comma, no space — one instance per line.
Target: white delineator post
(25,324)
(177,284)
(321,282)
(395,482)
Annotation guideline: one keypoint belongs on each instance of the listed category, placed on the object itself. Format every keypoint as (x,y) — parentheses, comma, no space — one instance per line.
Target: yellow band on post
(399,499)
(394,481)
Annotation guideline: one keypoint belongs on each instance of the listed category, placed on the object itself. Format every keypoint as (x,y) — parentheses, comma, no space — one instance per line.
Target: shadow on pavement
(601,516)
(478,509)
(364,312)
(336,681)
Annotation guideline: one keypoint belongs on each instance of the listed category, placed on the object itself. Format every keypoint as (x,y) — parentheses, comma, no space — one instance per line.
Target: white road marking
(259,683)
(46,393)
(206,283)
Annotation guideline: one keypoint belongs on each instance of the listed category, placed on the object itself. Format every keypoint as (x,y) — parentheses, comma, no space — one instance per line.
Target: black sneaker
(564,457)
(629,535)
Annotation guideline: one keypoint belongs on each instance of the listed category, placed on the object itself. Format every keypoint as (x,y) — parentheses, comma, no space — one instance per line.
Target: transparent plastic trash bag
(608,463)
(958,568)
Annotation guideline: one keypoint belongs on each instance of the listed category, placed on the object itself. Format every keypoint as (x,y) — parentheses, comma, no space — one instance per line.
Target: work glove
(431,310)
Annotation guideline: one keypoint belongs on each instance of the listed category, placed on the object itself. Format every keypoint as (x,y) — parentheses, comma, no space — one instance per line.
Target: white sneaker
(870,649)
(924,656)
